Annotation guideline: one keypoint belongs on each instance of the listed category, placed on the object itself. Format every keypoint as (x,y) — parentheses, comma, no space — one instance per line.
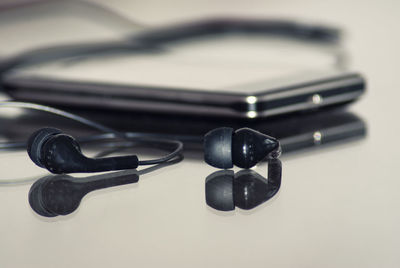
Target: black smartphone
(262,99)
(239,76)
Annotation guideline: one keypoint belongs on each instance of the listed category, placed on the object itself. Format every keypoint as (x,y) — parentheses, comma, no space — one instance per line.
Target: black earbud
(61,195)
(244,147)
(246,189)
(60,153)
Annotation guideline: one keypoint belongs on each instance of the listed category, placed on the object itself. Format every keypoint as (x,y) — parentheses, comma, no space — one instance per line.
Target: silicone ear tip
(36,141)
(219,190)
(218,147)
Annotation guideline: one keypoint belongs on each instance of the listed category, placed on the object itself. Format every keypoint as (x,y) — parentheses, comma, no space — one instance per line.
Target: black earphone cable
(178,158)
(155,39)
(160,143)
(140,138)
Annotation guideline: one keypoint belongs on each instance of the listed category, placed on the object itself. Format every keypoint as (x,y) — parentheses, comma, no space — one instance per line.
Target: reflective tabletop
(337,204)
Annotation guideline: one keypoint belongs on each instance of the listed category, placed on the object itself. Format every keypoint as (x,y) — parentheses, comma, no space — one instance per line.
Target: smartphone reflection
(295,132)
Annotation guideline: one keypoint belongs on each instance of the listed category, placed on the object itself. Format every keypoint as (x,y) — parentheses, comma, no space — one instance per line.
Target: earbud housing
(244,147)
(60,153)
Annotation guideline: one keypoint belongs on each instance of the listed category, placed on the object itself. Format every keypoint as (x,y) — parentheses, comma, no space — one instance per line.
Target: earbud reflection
(56,195)
(246,189)
(61,194)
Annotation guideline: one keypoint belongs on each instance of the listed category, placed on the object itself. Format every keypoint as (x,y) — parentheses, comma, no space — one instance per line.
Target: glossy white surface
(337,207)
